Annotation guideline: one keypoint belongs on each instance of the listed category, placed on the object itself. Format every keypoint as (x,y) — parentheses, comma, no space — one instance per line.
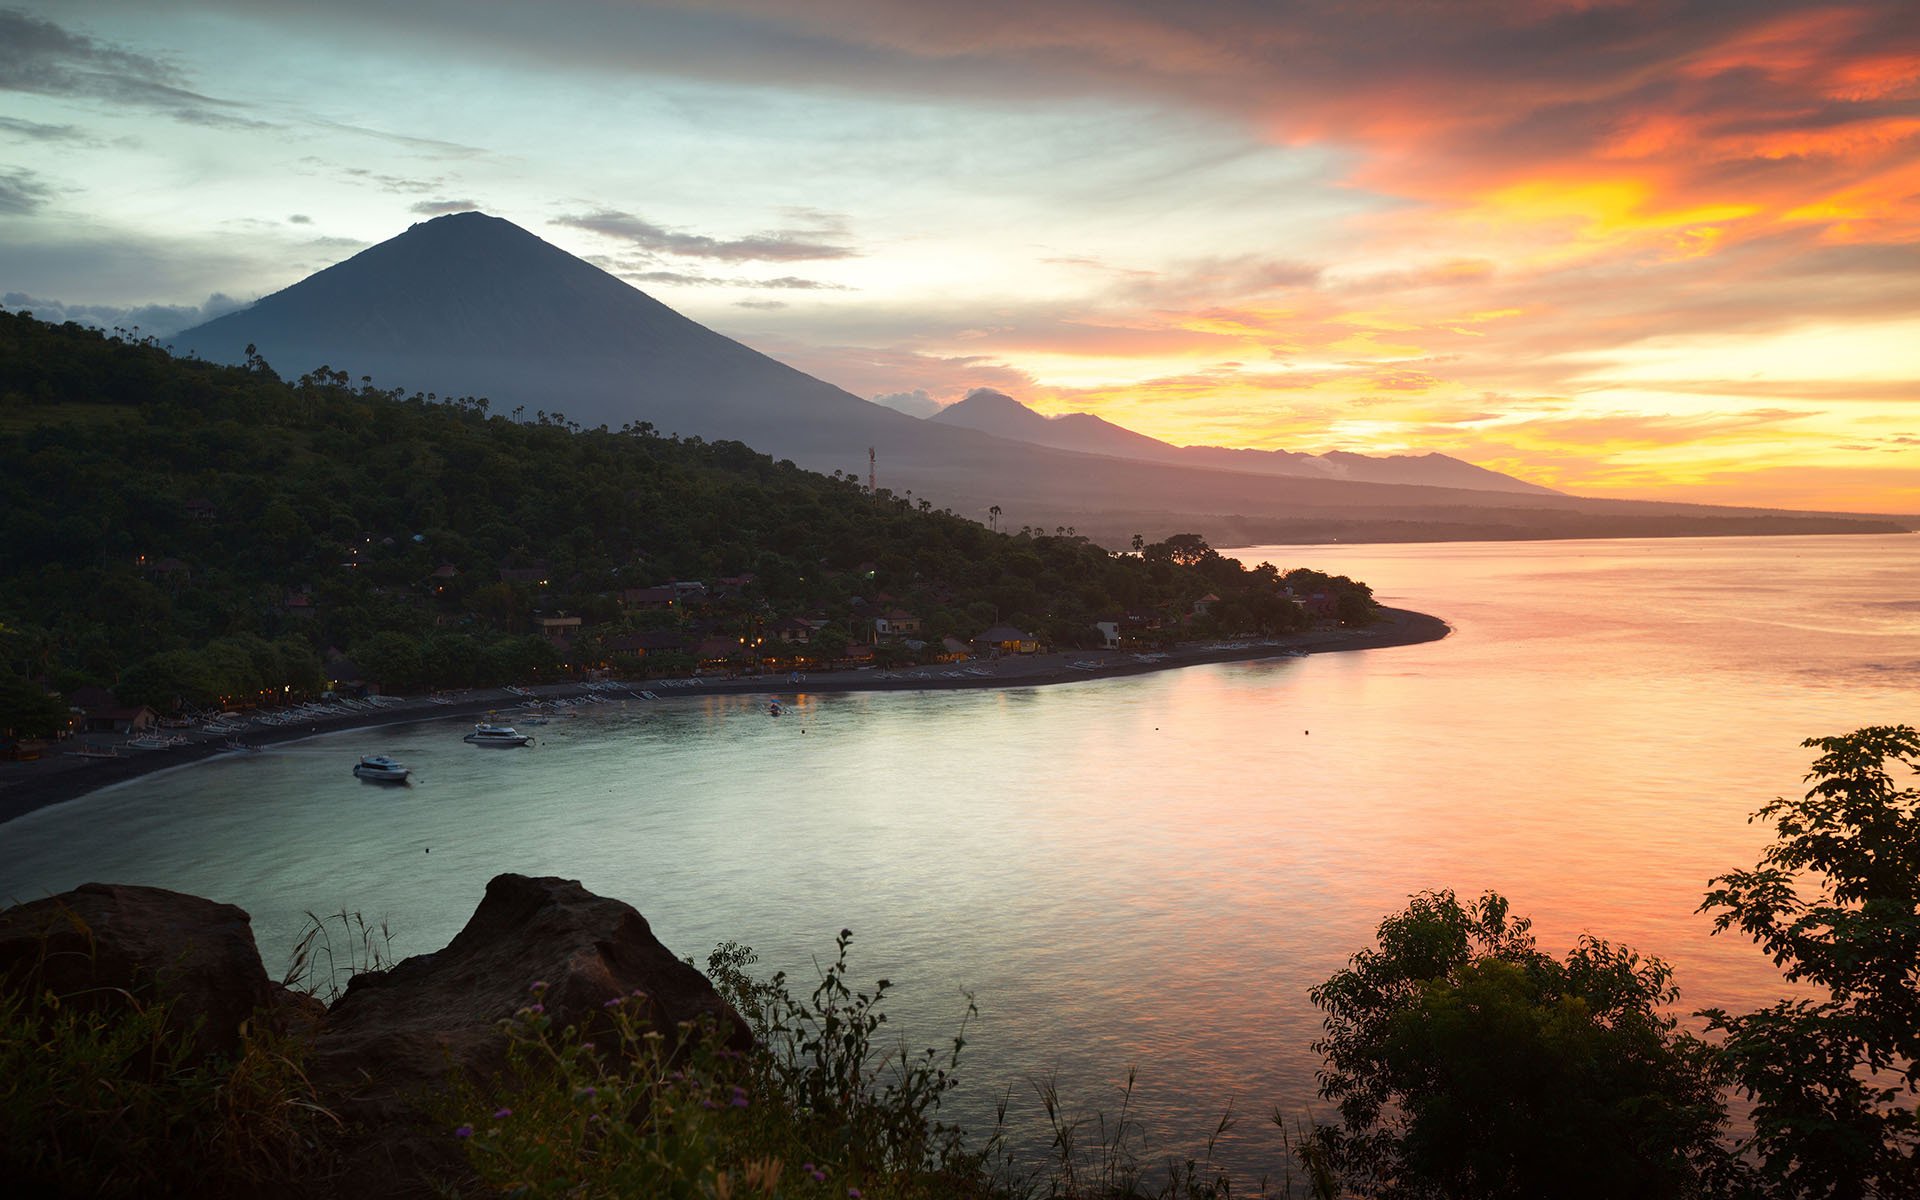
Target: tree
(27,710)
(1465,1062)
(1836,902)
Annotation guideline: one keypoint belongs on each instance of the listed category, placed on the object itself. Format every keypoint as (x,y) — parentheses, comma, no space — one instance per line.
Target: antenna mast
(870,472)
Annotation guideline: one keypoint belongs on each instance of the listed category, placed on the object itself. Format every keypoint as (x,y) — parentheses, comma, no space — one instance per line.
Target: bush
(1836,901)
(817,1109)
(1465,1062)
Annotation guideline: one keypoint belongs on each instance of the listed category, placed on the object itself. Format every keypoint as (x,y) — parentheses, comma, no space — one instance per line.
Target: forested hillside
(180,530)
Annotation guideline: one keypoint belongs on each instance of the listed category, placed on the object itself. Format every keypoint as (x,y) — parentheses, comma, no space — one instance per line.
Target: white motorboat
(381,769)
(496,735)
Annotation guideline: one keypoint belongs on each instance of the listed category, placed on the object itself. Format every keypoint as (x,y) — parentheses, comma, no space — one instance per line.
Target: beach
(63,775)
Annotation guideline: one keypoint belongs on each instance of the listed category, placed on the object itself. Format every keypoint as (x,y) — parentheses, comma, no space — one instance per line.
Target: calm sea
(1140,873)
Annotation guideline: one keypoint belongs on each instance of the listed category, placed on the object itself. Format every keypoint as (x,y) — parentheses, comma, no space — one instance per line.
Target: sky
(1660,250)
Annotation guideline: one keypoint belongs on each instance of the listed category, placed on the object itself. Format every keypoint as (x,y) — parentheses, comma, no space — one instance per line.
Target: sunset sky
(1658,250)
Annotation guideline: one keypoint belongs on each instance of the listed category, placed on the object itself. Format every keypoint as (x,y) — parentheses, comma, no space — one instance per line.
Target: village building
(896,623)
(1006,639)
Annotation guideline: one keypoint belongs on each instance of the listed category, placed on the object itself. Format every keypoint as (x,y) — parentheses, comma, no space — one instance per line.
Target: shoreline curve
(29,787)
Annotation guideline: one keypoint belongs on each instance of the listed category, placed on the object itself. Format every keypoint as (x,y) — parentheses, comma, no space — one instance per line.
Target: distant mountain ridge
(999,414)
(470,304)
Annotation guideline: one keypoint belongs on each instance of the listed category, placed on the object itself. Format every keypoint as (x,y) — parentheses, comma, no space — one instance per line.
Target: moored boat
(381,769)
(496,735)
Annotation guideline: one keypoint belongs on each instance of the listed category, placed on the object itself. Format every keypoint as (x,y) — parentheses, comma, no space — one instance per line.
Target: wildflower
(463,1131)
(587,1093)
(538,987)
(502,1114)
(853,1194)
(739,1097)
(586,1047)
(536,1009)
(613,1003)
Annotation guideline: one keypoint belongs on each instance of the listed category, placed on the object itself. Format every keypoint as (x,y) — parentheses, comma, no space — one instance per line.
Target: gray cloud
(152,320)
(776,246)
(21,192)
(299,219)
(38,132)
(39,57)
(769,304)
(648,270)
(916,403)
(440,208)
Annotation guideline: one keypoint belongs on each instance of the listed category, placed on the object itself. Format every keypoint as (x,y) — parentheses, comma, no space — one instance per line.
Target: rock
(101,940)
(389,1041)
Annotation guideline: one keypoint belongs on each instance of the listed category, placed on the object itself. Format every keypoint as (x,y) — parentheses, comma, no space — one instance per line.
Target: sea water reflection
(1143,872)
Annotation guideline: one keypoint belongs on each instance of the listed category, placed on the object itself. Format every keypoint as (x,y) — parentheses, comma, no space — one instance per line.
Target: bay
(1147,872)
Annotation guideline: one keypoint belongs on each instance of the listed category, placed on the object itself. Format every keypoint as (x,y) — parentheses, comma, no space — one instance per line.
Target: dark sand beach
(63,775)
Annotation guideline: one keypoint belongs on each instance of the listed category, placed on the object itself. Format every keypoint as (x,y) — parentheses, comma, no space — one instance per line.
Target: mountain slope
(473,305)
(1002,416)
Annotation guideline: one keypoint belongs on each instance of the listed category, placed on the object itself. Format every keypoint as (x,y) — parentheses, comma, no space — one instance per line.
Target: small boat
(773,708)
(381,769)
(496,735)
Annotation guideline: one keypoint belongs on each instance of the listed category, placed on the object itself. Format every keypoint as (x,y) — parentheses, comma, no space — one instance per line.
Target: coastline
(29,787)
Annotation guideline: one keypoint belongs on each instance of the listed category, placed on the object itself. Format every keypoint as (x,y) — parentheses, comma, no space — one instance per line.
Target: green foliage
(100,1096)
(159,509)
(816,1109)
(1836,902)
(26,710)
(1465,1062)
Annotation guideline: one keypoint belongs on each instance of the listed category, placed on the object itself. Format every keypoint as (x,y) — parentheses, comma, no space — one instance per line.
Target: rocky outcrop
(381,1056)
(391,1038)
(101,943)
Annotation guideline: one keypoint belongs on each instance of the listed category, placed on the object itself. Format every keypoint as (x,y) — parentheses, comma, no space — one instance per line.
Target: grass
(100,1096)
(823,1107)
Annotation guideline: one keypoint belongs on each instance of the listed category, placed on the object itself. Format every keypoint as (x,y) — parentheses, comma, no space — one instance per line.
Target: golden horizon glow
(1667,251)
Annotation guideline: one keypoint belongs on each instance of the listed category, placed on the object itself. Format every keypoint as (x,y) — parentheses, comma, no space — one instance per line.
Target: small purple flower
(536,1009)
(819,1176)
(739,1097)
(853,1194)
(587,1046)
(463,1131)
(587,1093)
(502,1114)
(540,985)
(613,1003)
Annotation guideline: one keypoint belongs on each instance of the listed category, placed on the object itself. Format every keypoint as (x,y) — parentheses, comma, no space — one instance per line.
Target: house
(134,719)
(896,623)
(201,509)
(298,604)
(719,653)
(792,630)
(687,590)
(952,649)
(649,597)
(1109,632)
(1005,639)
(1204,604)
(558,629)
(446,570)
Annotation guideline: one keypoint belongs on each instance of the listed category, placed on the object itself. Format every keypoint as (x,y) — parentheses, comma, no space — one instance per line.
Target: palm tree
(993,518)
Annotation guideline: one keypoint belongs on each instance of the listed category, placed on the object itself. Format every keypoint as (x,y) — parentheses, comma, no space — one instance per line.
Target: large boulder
(388,1043)
(101,943)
